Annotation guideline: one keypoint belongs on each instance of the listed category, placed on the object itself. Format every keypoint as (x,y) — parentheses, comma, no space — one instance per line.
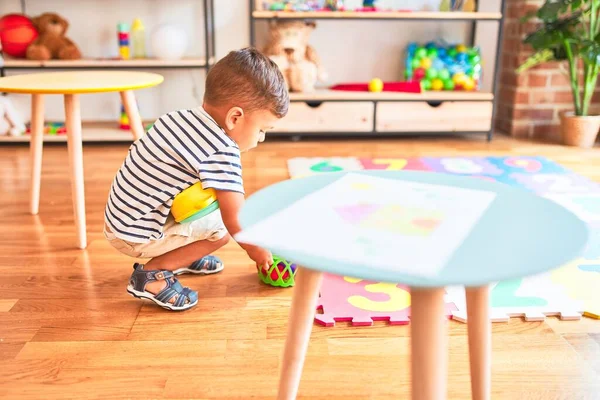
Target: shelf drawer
(327,117)
(420,116)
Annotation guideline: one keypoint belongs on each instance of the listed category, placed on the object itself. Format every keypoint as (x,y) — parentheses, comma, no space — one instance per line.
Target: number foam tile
(462,165)
(395,164)
(363,302)
(533,298)
(573,294)
(307,166)
(580,279)
(528,165)
(556,183)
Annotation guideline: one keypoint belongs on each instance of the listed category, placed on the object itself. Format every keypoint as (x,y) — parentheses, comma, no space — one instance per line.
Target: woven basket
(579,131)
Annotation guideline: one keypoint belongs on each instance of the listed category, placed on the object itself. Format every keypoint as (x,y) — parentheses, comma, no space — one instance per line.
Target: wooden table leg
(479,329)
(36,147)
(131,108)
(74,142)
(300,323)
(429,357)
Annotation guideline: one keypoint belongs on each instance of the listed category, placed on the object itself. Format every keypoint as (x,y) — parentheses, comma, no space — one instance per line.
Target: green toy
(280,274)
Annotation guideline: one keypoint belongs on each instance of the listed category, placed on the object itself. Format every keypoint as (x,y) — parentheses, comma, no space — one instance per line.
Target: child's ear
(233,117)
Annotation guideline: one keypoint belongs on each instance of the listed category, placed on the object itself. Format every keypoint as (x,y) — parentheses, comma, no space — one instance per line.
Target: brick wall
(529,103)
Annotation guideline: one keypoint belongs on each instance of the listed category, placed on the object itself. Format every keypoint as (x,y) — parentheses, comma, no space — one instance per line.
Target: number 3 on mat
(399,299)
(392,164)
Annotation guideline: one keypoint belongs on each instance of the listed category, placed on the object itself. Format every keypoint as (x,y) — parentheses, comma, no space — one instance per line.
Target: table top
(75,82)
(519,234)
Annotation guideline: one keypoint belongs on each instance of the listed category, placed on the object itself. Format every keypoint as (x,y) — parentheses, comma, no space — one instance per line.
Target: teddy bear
(288,47)
(51,42)
(10,121)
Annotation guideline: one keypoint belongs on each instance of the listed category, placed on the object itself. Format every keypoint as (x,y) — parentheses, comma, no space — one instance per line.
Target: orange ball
(468,84)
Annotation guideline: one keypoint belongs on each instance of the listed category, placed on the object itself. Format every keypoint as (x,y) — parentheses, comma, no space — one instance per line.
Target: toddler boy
(245,95)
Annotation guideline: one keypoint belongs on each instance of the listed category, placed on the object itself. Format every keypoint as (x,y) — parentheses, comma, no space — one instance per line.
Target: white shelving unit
(409,15)
(91,132)
(340,95)
(346,113)
(15,64)
(109,131)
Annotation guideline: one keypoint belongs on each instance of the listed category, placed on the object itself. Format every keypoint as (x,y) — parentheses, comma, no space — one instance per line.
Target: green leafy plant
(570,30)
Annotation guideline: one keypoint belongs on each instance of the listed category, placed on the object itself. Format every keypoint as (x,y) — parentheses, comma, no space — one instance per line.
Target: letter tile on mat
(581,280)
(395,164)
(534,298)
(555,183)
(300,167)
(530,165)
(363,302)
(568,292)
(462,165)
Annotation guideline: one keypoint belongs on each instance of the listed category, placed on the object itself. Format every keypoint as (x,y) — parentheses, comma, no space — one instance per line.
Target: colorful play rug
(568,292)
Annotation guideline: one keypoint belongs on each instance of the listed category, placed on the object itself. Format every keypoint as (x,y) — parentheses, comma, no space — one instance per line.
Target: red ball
(419,74)
(282,272)
(16,34)
(274,274)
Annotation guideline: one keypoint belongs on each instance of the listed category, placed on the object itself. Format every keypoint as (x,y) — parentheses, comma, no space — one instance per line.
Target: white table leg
(74,142)
(300,323)
(429,358)
(131,108)
(36,147)
(480,341)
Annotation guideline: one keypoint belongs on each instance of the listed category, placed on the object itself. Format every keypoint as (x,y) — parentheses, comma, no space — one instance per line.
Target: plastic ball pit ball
(376,85)
(441,67)
(16,34)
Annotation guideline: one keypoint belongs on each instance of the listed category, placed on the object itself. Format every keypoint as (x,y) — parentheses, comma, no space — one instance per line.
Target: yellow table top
(73,82)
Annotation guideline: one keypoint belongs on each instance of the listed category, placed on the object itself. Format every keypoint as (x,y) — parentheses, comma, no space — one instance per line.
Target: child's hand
(230,203)
(262,257)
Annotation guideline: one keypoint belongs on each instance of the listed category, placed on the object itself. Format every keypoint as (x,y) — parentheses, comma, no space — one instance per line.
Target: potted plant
(570,30)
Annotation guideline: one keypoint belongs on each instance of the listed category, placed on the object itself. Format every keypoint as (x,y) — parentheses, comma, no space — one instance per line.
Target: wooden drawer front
(328,117)
(460,116)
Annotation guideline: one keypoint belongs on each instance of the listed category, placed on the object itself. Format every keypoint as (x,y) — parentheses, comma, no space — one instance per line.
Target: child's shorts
(209,227)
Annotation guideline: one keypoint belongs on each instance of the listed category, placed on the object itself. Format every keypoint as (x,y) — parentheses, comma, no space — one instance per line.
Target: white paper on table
(383,223)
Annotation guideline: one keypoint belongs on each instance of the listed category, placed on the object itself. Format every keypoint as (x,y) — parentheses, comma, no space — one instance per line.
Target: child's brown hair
(249,79)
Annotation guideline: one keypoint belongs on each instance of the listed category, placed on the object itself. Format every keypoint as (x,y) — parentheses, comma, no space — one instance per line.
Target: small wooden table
(540,236)
(71,85)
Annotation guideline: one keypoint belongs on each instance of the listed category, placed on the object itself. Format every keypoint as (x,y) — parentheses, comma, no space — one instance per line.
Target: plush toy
(10,121)
(288,47)
(52,42)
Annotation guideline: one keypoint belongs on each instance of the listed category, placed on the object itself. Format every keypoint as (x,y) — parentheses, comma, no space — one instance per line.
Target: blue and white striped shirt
(181,148)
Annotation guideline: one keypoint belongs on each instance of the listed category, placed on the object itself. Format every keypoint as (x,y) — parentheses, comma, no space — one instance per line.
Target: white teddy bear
(10,121)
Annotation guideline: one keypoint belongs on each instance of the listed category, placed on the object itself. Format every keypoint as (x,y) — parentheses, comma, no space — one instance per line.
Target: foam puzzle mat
(363,302)
(568,292)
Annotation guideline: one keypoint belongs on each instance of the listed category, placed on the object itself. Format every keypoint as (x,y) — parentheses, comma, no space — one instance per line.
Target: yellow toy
(437,84)
(375,85)
(194,203)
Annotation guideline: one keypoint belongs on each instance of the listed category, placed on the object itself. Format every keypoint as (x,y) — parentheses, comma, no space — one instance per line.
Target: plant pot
(579,131)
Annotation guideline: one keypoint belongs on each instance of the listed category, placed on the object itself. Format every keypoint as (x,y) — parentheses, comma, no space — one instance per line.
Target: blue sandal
(184,298)
(205,266)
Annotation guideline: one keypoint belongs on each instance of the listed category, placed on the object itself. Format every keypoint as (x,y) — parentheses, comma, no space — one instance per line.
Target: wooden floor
(68,329)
